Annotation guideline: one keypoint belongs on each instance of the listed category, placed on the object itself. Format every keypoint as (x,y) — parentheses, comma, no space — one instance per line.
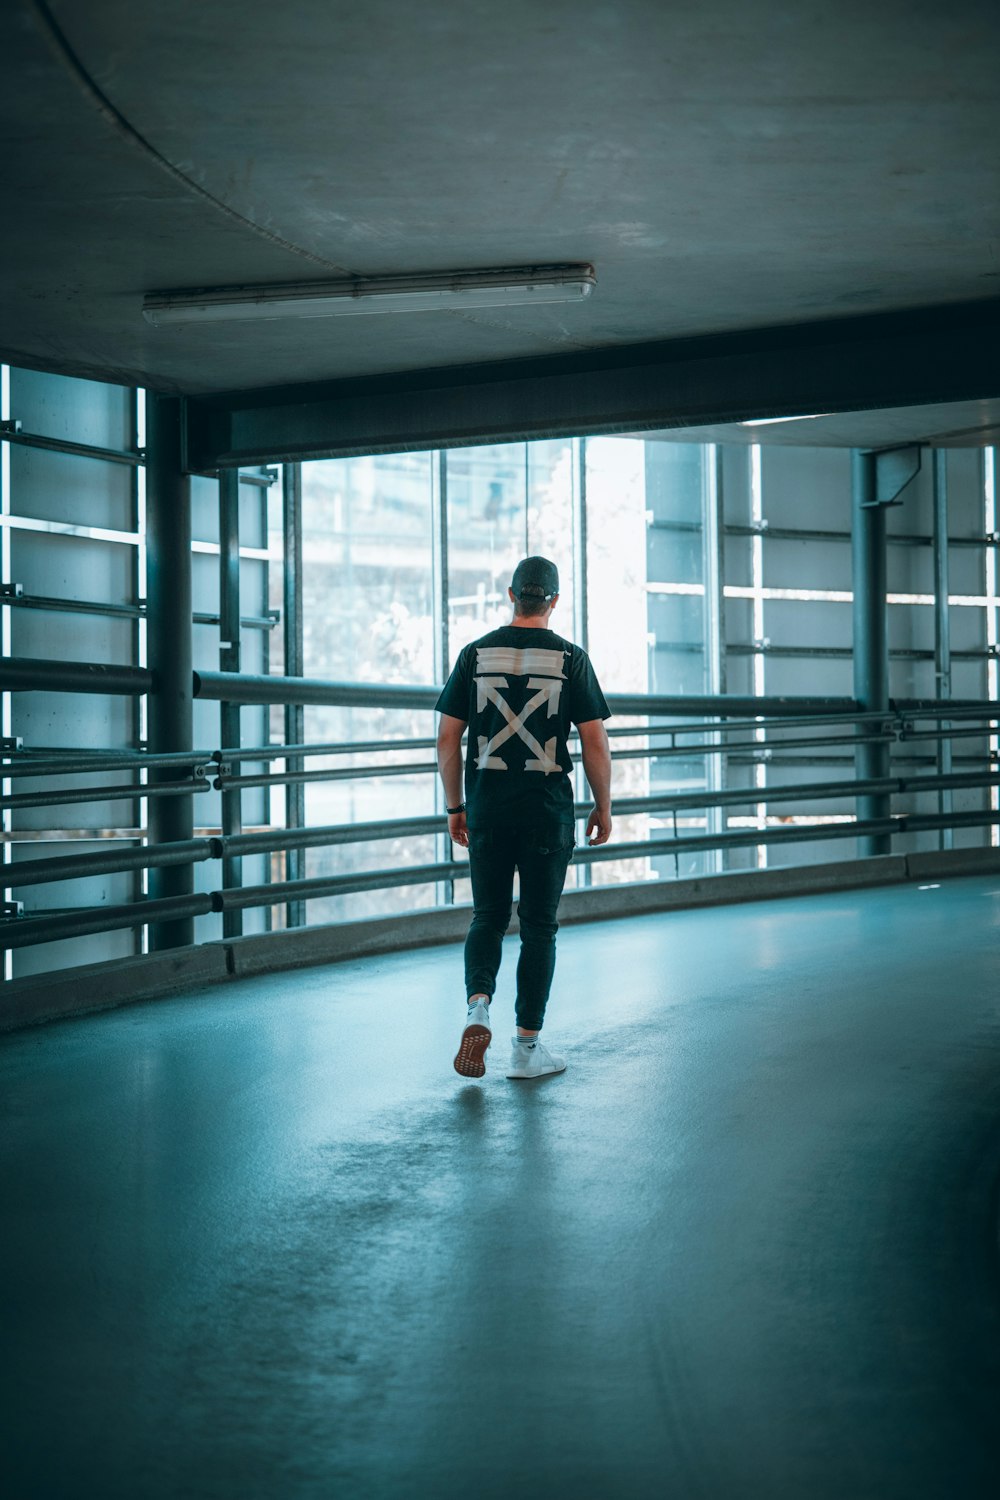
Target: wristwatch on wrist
(458,809)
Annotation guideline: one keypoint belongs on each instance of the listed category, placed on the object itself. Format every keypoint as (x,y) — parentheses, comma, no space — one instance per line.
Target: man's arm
(597,768)
(451,765)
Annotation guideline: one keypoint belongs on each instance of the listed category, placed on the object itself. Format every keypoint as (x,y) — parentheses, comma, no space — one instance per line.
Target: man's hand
(597,766)
(599,825)
(458,829)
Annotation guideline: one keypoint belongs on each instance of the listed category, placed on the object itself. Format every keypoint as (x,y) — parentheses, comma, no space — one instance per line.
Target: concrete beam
(898,359)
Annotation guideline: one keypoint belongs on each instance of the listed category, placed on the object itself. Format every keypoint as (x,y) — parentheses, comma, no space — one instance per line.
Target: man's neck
(531,622)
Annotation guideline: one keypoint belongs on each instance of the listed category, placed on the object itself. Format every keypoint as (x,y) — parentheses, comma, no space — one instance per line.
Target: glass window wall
(408,558)
(369,615)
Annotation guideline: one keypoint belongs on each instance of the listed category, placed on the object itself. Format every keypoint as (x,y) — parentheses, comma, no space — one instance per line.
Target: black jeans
(541,855)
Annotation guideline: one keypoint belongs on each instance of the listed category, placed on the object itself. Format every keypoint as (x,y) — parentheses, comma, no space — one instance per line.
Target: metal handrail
(772,727)
(17,800)
(204,762)
(94,763)
(77,866)
(33,674)
(30,930)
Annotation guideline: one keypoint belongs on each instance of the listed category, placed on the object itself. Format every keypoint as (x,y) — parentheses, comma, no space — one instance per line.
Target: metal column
(871,647)
(229,661)
(295,795)
(168,648)
(876,481)
(942,627)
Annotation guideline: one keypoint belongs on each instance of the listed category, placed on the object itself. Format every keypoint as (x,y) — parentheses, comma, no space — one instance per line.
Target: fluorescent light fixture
(444,290)
(769,421)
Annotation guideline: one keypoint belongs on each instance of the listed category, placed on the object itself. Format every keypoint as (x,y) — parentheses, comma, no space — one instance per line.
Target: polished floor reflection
(261,1241)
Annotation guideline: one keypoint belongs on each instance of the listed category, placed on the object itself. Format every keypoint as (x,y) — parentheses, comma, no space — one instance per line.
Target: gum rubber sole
(472,1050)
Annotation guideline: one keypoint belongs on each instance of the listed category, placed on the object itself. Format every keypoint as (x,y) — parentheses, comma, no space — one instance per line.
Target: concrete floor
(263,1242)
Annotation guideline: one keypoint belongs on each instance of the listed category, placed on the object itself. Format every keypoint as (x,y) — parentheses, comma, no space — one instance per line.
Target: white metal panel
(76,411)
(61,636)
(72,567)
(66,487)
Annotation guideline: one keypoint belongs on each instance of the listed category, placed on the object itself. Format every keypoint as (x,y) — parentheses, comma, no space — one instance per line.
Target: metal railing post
(168,647)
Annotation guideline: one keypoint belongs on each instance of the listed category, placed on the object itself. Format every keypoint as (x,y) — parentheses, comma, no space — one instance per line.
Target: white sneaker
(532,1062)
(476,1039)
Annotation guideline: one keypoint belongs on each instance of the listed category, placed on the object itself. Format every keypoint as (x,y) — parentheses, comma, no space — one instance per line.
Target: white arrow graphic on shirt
(547,691)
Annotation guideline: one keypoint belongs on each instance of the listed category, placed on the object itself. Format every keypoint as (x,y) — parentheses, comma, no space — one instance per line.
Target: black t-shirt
(520,690)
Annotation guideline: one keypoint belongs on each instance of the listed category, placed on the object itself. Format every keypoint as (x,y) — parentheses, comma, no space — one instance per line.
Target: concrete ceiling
(730,165)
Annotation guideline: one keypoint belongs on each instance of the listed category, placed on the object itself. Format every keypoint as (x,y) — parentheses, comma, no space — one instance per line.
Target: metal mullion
(989,492)
(291,508)
(440,606)
(262,482)
(713,574)
(6,711)
(581,543)
(757,583)
(141,635)
(942,623)
(582,578)
(136,570)
(229,661)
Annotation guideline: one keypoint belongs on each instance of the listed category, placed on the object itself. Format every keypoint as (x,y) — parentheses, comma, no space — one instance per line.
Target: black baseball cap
(535,578)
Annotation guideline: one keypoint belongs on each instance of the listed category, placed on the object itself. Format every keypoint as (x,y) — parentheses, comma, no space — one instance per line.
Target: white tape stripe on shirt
(496,660)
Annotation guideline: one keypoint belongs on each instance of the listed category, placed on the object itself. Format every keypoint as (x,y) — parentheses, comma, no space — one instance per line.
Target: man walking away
(519,689)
